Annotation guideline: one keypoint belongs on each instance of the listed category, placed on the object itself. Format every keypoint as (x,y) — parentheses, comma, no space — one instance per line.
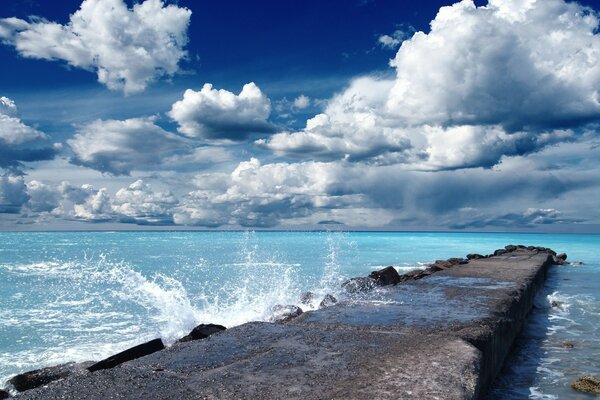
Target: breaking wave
(94,306)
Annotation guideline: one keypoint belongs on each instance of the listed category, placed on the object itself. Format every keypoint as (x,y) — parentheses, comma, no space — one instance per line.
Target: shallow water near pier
(76,296)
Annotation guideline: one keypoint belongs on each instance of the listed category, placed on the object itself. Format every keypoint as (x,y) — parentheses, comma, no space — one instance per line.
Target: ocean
(79,296)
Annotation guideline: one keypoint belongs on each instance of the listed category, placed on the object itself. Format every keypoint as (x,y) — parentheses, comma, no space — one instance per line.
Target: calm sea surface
(77,296)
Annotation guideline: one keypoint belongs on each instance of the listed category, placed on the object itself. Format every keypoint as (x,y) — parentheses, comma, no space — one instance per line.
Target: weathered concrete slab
(445,336)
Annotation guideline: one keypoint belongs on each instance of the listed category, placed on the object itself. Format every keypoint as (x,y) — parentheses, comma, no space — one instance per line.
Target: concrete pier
(442,337)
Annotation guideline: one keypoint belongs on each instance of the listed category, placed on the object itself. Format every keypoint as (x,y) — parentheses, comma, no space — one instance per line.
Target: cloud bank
(488,120)
(523,192)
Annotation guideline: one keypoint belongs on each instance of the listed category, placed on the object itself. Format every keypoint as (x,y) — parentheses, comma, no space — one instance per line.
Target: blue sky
(299,114)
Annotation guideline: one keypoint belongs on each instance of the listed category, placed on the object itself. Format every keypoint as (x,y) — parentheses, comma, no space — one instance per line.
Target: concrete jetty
(442,337)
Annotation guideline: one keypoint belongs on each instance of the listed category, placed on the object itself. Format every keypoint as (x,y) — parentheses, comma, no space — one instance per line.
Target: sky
(358,114)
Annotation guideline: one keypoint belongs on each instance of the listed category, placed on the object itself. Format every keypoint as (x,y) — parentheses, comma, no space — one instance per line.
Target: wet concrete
(445,336)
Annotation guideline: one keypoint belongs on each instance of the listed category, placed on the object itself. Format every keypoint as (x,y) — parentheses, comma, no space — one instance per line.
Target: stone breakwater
(442,332)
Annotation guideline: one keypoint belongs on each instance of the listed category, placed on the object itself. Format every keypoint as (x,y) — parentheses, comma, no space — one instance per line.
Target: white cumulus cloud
(127,48)
(520,64)
(42,197)
(486,82)
(262,195)
(222,115)
(138,203)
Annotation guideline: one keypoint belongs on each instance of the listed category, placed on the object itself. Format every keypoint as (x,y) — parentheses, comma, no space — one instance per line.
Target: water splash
(93,305)
(259,281)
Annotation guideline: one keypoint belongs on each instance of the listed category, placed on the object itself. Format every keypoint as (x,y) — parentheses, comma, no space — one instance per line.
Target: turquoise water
(76,296)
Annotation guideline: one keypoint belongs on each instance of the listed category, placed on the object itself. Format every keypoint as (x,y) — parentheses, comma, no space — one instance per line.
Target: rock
(510,248)
(438,265)
(417,274)
(39,377)
(285,313)
(386,276)
(556,303)
(577,263)
(499,252)
(138,351)
(4,394)
(328,301)
(474,256)
(587,384)
(567,345)
(558,261)
(307,298)
(356,285)
(562,256)
(202,331)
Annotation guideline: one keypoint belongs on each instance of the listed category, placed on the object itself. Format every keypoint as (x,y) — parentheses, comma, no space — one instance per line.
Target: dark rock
(417,274)
(361,284)
(138,351)
(438,265)
(587,384)
(4,394)
(562,256)
(510,248)
(411,275)
(285,313)
(328,301)
(39,377)
(558,261)
(556,303)
(202,332)
(499,252)
(568,345)
(474,256)
(386,276)
(307,298)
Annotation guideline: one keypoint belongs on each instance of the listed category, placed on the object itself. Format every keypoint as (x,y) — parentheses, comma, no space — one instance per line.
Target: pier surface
(445,337)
